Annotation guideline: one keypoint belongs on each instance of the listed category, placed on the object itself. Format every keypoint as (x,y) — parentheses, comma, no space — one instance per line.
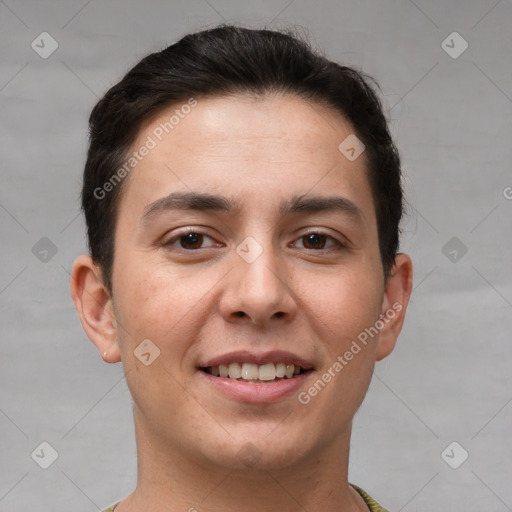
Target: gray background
(450,376)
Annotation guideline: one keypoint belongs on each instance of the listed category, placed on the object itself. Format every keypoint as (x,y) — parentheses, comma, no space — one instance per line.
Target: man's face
(255,284)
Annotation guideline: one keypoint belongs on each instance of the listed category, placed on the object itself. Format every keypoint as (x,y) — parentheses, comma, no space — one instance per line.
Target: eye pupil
(315,239)
(194,239)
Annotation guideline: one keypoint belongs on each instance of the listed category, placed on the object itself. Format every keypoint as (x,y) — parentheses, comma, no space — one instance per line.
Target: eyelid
(190,229)
(339,244)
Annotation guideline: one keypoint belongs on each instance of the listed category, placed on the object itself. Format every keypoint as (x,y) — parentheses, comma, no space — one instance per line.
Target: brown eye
(317,241)
(314,241)
(191,241)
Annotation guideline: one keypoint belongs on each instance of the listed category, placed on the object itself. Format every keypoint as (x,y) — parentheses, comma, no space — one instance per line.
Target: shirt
(373,506)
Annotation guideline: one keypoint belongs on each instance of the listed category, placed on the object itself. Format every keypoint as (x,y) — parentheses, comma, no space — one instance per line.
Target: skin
(201,301)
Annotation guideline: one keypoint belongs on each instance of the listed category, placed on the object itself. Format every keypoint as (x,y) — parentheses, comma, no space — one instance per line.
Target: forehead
(271,120)
(255,147)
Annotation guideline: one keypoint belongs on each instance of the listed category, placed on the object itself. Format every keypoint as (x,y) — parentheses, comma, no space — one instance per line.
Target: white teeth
(255,372)
(267,372)
(235,372)
(280,370)
(249,371)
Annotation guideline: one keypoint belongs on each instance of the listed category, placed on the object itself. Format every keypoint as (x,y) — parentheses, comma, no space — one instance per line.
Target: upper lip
(246,356)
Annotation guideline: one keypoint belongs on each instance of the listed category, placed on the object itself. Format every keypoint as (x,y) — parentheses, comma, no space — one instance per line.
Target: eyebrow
(209,202)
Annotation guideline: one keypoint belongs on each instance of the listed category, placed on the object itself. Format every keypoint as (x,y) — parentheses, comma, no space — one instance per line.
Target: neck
(169,479)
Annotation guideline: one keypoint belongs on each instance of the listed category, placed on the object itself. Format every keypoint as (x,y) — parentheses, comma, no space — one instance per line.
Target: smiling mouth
(255,373)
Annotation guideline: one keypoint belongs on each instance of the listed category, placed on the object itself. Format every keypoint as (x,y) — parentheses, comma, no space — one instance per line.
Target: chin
(258,452)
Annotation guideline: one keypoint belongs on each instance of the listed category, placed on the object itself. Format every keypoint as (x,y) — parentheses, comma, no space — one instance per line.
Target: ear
(394,304)
(94,305)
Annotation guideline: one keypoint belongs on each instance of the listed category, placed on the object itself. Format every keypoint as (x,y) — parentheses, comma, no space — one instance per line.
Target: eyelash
(338,244)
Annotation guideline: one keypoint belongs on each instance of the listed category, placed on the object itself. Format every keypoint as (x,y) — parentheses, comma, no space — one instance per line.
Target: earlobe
(94,306)
(394,304)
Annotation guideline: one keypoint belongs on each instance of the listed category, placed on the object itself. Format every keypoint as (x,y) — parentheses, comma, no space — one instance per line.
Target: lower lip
(255,392)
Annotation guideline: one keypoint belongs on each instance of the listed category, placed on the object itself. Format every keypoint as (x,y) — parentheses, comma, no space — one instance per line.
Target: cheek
(343,310)
(157,306)
(344,304)
(160,303)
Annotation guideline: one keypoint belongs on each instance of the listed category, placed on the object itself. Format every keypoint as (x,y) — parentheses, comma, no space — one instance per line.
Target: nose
(258,292)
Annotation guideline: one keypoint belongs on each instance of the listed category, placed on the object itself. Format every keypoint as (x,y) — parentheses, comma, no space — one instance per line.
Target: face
(247,242)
